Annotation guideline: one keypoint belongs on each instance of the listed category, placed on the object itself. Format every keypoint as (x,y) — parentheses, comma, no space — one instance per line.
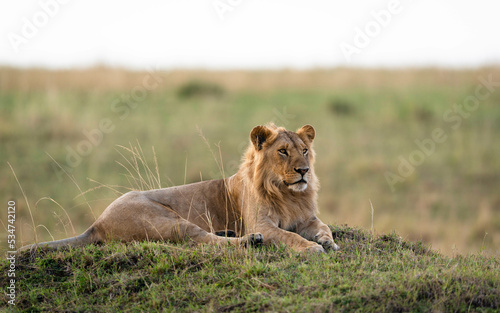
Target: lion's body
(272,195)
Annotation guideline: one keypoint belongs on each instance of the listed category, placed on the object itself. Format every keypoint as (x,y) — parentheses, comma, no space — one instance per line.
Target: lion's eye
(305,151)
(283,151)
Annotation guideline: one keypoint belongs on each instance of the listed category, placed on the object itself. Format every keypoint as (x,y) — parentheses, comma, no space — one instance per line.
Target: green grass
(370,274)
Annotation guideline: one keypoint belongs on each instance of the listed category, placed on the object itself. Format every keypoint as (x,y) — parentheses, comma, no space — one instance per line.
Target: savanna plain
(408,160)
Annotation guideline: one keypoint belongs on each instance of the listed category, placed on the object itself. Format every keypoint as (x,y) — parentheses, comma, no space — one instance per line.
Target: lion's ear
(307,131)
(259,135)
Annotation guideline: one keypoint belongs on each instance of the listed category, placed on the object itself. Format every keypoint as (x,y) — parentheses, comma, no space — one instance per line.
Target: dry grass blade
(26,200)
(158,180)
(219,164)
(134,167)
(185,170)
(138,180)
(139,173)
(152,177)
(110,187)
(76,184)
(60,206)
(48,231)
(373,212)
(140,158)
(131,179)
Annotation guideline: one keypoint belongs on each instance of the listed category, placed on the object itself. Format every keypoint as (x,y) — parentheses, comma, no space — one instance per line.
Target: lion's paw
(252,240)
(327,242)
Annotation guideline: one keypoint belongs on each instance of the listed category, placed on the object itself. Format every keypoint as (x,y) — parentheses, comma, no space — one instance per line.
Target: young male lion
(271,199)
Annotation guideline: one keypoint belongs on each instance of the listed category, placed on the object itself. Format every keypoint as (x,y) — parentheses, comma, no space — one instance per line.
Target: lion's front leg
(275,235)
(319,232)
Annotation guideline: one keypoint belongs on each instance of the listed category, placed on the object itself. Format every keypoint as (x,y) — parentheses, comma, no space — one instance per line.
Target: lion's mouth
(301,181)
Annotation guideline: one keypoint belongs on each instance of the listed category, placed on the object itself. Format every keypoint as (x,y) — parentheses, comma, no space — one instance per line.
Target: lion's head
(281,161)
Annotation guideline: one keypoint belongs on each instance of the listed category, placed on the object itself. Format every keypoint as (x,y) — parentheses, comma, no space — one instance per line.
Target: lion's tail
(88,237)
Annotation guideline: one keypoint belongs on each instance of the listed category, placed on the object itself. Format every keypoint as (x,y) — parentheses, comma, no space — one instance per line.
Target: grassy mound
(370,274)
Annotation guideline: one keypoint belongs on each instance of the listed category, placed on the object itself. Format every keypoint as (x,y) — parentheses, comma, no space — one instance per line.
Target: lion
(272,199)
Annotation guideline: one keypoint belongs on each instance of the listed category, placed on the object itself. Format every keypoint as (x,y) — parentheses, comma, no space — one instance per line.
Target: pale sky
(249,33)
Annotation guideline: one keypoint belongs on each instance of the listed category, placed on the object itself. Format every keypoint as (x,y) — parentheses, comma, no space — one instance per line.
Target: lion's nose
(302,171)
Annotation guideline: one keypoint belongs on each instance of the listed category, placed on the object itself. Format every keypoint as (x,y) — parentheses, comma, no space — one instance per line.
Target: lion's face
(285,156)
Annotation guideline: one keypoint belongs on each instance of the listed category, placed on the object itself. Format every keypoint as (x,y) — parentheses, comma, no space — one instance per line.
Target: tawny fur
(272,195)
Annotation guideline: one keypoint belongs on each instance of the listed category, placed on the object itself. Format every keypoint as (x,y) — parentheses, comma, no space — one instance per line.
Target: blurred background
(404,95)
